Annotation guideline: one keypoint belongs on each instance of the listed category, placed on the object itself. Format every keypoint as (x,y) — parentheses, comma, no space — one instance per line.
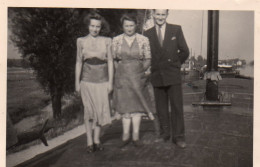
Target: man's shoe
(98,147)
(181,144)
(166,138)
(158,140)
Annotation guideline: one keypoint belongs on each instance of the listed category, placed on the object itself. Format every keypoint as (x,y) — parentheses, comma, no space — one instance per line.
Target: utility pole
(212,54)
(212,75)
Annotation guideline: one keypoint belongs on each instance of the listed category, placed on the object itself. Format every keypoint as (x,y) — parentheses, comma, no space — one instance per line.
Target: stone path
(215,138)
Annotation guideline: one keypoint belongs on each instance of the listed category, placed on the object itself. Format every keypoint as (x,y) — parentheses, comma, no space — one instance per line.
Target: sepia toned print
(185,99)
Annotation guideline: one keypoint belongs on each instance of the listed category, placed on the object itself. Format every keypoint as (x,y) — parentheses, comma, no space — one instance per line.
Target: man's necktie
(160,36)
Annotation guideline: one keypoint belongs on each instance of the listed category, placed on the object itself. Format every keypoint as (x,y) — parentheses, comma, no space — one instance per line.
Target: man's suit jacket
(167,60)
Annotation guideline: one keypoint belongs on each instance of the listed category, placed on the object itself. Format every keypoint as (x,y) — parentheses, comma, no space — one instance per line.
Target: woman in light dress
(94,79)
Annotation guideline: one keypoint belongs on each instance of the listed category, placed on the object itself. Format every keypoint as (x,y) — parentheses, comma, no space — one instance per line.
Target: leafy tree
(193,58)
(47,37)
(113,18)
(25,63)
(201,61)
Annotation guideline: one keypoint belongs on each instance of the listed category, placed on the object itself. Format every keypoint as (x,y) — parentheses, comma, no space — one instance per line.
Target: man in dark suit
(169,50)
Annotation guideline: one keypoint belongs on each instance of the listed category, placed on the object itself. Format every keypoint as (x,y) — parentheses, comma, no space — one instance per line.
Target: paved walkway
(216,137)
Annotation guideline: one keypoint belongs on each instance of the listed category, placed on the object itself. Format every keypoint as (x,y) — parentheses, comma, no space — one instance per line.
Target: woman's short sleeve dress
(94,79)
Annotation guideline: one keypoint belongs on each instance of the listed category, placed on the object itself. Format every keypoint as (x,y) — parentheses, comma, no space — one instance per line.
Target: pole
(201,33)
(212,54)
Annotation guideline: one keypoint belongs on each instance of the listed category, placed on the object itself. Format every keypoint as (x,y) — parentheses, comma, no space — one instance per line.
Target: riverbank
(247,71)
(29,107)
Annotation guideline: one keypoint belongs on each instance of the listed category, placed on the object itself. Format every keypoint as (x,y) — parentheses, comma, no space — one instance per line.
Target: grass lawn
(25,97)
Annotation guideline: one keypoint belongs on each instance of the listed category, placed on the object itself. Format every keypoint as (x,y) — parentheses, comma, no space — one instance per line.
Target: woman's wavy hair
(105,29)
(129,17)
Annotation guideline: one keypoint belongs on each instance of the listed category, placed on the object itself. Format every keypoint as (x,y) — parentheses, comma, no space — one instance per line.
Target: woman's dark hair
(129,17)
(104,25)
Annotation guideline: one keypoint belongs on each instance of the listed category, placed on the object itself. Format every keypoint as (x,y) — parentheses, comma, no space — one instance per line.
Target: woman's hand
(110,88)
(147,72)
(150,115)
(77,88)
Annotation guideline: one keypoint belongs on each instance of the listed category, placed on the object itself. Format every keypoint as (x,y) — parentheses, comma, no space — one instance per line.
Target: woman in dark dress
(131,52)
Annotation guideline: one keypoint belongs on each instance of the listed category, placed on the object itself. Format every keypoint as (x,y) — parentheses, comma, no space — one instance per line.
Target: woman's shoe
(181,144)
(137,143)
(98,147)
(90,149)
(124,143)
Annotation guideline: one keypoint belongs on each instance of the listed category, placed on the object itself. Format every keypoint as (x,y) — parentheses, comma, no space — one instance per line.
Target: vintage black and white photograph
(103,87)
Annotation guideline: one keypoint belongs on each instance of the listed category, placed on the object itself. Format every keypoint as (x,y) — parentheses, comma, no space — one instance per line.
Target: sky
(236,33)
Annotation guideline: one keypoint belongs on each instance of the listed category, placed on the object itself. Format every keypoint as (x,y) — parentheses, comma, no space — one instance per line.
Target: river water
(247,70)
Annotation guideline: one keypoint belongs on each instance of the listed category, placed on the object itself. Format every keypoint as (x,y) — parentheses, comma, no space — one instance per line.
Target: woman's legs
(136,126)
(93,145)
(88,126)
(97,134)
(126,128)
(126,132)
(97,145)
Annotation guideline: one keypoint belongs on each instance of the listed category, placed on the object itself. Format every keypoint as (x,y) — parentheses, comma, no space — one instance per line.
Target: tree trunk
(56,102)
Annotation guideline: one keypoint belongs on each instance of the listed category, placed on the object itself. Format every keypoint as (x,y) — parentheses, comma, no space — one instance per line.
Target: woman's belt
(95,61)
(95,71)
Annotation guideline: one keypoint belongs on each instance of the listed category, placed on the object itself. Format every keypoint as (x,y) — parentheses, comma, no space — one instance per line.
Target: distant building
(188,65)
(239,63)
(234,62)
